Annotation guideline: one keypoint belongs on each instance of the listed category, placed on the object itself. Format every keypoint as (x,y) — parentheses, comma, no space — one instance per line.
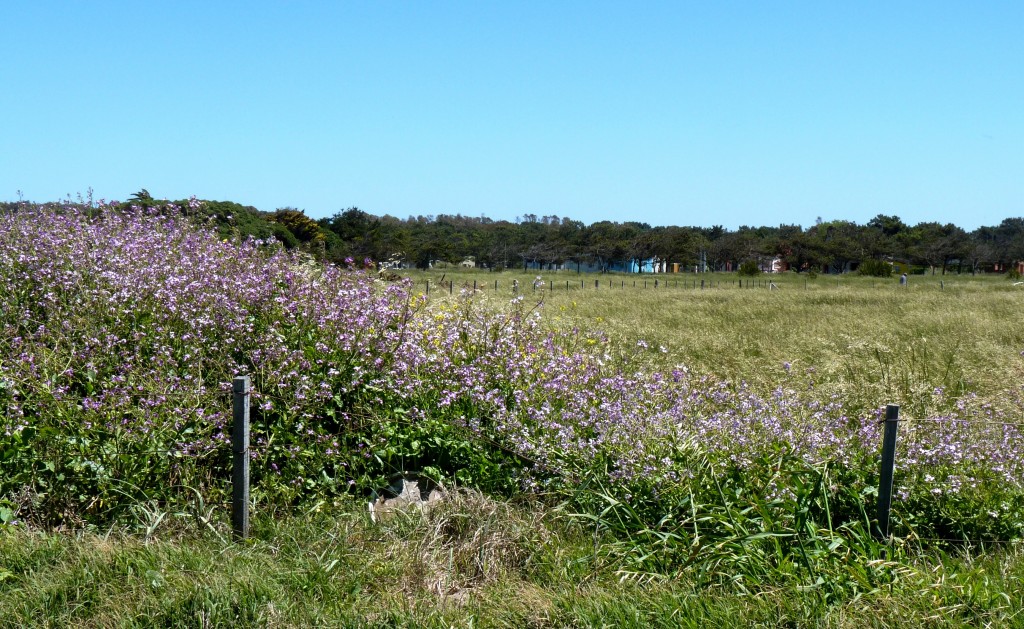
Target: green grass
(473,562)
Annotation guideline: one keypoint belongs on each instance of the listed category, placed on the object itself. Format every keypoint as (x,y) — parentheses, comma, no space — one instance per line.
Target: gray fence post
(240,459)
(892,420)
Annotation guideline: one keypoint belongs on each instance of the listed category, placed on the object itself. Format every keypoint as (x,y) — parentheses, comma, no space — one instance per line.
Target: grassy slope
(489,564)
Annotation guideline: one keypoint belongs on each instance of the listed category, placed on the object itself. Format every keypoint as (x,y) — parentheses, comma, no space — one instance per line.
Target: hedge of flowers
(121,331)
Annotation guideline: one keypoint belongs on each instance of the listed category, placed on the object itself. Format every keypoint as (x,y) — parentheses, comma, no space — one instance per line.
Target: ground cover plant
(728,457)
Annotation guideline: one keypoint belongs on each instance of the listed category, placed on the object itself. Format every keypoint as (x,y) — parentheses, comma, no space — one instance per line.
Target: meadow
(614,455)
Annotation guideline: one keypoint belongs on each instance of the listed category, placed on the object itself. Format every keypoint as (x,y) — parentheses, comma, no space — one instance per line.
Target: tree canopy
(546,242)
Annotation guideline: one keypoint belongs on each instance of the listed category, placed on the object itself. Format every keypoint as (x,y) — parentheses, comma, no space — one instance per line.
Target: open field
(660,457)
(866,339)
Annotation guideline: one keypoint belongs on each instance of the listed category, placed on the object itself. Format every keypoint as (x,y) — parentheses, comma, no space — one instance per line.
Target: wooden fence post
(892,420)
(240,459)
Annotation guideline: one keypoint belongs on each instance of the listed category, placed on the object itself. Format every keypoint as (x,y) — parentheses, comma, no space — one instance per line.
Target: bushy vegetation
(749,269)
(122,330)
(875,268)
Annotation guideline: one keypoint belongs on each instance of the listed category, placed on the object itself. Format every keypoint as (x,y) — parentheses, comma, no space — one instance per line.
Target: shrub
(875,268)
(749,269)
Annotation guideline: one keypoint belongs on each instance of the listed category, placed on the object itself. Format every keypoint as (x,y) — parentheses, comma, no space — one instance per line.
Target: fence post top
(892,412)
(240,384)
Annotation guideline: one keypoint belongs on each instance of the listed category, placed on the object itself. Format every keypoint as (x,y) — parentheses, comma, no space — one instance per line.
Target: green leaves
(727,525)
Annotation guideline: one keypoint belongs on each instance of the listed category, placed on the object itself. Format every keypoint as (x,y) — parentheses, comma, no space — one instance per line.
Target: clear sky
(672,113)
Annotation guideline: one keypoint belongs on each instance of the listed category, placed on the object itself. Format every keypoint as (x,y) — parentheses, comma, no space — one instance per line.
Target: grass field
(708,530)
(867,339)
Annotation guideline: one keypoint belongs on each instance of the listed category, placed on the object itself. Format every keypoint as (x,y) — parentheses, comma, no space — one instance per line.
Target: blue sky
(684,113)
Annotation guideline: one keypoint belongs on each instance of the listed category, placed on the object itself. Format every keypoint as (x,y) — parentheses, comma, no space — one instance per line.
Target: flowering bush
(121,332)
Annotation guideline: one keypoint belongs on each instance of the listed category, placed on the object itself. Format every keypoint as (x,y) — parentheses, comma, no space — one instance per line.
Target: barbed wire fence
(242,452)
(888,461)
(771,283)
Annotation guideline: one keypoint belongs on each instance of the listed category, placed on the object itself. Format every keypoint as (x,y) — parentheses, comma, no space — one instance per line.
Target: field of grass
(649,457)
(866,339)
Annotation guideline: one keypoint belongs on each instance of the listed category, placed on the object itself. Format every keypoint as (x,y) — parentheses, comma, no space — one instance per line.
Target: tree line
(547,242)
(552,242)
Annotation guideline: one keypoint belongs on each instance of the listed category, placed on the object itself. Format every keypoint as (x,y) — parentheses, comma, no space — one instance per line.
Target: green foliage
(723,526)
(284,235)
(749,269)
(1013,274)
(233,220)
(875,268)
(304,229)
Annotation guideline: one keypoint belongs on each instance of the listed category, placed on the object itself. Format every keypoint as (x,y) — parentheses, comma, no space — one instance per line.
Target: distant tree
(936,245)
(305,230)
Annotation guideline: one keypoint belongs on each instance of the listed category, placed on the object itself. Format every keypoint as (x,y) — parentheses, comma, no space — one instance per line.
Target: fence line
(979,422)
(658,282)
(666,280)
(242,453)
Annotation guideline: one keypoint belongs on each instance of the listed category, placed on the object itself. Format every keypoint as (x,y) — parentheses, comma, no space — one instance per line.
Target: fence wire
(259,451)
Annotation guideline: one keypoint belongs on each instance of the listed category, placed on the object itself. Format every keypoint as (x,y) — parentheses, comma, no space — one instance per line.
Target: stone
(407,494)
